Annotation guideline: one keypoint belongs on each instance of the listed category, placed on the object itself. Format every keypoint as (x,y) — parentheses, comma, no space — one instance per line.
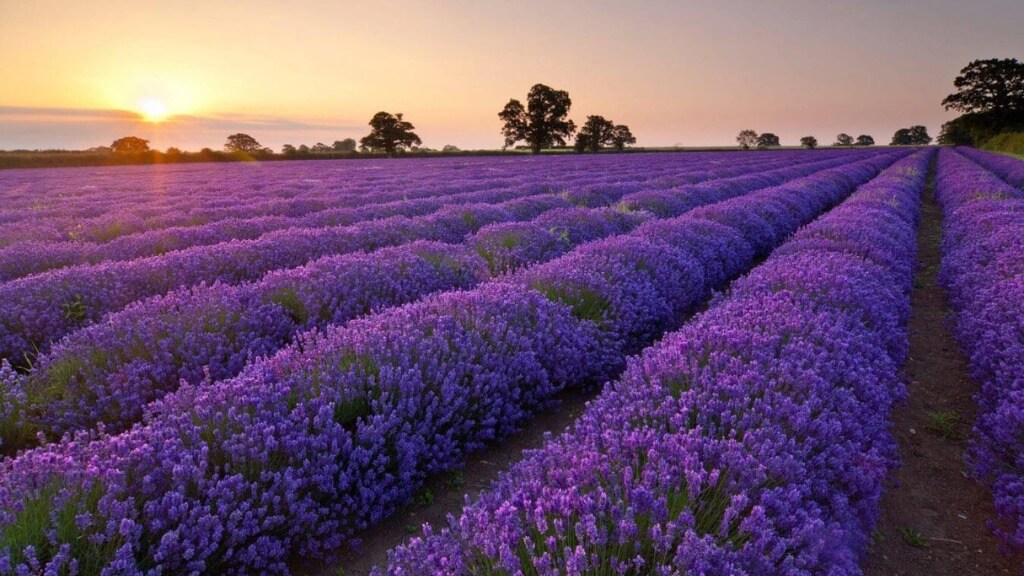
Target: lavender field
(243,368)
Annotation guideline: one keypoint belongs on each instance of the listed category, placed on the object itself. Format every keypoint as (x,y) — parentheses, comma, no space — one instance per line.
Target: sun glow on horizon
(153,110)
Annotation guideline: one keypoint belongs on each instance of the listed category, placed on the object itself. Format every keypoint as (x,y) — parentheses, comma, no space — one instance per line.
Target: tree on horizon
(843,139)
(130,145)
(809,142)
(242,143)
(913,136)
(746,139)
(768,140)
(346,145)
(990,95)
(390,133)
(542,123)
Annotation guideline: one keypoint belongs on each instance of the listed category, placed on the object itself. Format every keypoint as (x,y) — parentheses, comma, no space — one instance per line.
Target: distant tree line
(913,136)
(989,94)
(748,138)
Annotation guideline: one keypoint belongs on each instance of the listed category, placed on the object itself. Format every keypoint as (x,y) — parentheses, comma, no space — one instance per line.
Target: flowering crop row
(30,257)
(326,437)
(1007,168)
(753,441)
(983,269)
(108,372)
(37,310)
(88,205)
(26,258)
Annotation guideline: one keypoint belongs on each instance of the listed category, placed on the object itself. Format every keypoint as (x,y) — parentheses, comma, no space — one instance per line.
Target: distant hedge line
(1011,142)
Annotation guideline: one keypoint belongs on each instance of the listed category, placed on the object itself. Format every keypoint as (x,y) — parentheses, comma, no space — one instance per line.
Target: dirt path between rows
(933,519)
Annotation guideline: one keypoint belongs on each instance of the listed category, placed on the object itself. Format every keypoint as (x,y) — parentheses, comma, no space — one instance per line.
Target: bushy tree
(746,139)
(990,93)
(389,133)
(346,145)
(450,149)
(598,132)
(130,145)
(595,133)
(913,136)
(844,139)
(289,150)
(542,123)
(303,149)
(622,137)
(993,85)
(242,143)
(809,142)
(320,148)
(865,140)
(768,140)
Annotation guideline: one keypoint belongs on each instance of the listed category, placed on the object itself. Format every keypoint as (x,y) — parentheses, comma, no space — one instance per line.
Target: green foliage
(585,304)
(809,142)
(74,309)
(943,424)
(293,305)
(864,140)
(1008,142)
(913,537)
(64,504)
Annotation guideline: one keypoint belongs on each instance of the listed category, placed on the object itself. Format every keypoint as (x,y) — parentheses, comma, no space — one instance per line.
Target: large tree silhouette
(746,139)
(389,134)
(993,85)
(913,136)
(242,143)
(990,93)
(542,123)
(130,145)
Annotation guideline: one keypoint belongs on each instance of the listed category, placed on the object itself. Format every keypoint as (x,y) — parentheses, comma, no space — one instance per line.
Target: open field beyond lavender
(253,368)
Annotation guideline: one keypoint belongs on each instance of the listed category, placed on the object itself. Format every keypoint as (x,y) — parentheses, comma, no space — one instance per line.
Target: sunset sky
(79,74)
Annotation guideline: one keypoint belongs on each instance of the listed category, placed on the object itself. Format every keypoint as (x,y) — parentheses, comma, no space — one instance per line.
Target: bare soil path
(934,516)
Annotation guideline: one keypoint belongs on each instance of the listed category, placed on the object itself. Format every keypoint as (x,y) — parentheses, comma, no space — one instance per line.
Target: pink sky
(75,75)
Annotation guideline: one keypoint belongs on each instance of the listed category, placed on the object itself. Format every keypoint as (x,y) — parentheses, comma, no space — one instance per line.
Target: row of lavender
(983,270)
(37,310)
(1007,168)
(325,438)
(108,372)
(753,441)
(88,193)
(336,209)
(93,209)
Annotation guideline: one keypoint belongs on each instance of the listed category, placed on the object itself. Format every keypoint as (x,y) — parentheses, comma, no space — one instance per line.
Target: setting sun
(153,110)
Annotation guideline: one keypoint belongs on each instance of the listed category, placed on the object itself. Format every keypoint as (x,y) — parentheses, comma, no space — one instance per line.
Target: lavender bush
(753,441)
(303,449)
(982,268)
